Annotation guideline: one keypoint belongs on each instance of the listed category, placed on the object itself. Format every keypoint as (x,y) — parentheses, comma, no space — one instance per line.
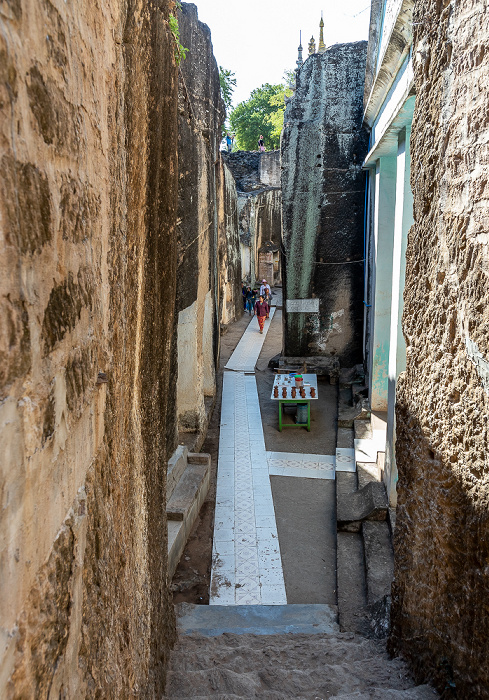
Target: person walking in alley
(261,311)
(250,300)
(261,144)
(243,292)
(265,291)
(229,142)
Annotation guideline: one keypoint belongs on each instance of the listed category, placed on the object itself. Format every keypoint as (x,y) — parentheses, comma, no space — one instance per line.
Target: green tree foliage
(262,113)
(228,83)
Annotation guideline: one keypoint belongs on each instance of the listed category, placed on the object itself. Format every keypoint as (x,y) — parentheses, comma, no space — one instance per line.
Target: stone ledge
(369,503)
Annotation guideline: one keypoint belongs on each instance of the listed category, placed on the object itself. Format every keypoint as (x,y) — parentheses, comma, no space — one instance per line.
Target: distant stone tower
(322,45)
(312,46)
(299,61)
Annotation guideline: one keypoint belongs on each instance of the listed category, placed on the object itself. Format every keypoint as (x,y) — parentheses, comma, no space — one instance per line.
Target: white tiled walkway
(246,561)
(248,350)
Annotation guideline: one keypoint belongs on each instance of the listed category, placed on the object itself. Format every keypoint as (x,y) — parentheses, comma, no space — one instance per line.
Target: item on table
(299,381)
(313,392)
(294,392)
(284,392)
(275,392)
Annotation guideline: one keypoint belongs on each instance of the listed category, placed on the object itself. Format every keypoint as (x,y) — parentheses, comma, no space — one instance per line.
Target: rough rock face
(323,189)
(88,191)
(440,612)
(207,267)
(230,301)
(257,177)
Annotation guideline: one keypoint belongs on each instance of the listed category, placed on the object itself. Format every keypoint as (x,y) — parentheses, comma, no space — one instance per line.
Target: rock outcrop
(88,150)
(323,190)
(440,618)
(208,251)
(257,177)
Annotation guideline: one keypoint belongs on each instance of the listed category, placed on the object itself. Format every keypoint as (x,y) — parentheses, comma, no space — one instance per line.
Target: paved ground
(298,534)
(322,438)
(306,524)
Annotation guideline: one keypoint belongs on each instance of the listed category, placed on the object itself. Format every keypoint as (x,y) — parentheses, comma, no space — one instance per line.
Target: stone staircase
(364,521)
(280,652)
(188,479)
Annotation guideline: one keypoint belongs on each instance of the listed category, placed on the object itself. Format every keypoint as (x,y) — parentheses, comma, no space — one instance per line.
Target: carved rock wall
(257,177)
(323,191)
(440,615)
(208,274)
(88,185)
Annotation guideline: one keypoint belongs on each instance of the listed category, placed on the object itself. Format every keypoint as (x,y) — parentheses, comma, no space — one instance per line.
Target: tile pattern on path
(345,459)
(246,562)
(248,350)
(302,465)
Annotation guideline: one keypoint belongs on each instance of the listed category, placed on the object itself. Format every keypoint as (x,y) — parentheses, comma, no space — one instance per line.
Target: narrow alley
(273,609)
(203,495)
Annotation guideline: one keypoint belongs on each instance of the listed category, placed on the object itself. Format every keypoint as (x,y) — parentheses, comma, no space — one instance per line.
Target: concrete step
(344,438)
(352,587)
(184,504)
(379,569)
(187,495)
(368,472)
(421,692)
(368,503)
(176,466)
(214,620)
(363,429)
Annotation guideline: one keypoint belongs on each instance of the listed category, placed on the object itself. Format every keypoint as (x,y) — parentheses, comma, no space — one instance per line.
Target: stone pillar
(384,214)
(190,397)
(397,354)
(208,347)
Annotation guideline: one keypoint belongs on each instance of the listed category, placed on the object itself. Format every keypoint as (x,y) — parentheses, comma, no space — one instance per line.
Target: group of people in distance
(258,307)
(230,142)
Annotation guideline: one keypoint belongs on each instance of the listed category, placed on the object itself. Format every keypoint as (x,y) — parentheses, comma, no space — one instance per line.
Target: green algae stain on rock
(323,187)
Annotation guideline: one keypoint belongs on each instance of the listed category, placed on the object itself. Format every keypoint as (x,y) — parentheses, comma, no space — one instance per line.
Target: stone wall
(208,261)
(323,190)
(257,177)
(440,614)
(88,144)
(230,299)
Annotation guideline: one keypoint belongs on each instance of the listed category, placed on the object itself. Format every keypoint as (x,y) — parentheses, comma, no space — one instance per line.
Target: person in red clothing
(261,311)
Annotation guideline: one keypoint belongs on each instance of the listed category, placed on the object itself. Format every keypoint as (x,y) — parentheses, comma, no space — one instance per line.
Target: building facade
(389,105)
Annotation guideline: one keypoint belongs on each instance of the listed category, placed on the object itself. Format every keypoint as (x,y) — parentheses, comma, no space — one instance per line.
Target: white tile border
(245,529)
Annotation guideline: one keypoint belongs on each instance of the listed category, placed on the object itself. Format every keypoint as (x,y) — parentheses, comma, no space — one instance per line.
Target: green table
(294,425)
(284,380)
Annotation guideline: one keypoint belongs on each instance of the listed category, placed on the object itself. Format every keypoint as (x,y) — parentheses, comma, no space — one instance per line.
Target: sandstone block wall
(88,185)
(440,614)
(208,274)
(323,190)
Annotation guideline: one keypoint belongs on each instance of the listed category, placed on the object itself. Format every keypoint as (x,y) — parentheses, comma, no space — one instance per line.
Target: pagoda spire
(299,61)
(322,45)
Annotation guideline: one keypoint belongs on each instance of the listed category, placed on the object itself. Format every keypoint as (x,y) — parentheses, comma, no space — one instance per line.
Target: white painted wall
(245,261)
(397,351)
(190,394)
(383,242)
(209,381)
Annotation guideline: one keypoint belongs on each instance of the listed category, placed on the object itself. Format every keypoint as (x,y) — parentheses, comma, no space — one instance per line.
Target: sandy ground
(283,666)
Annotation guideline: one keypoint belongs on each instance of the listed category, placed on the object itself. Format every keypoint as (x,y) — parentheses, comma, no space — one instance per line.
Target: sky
(258,39)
